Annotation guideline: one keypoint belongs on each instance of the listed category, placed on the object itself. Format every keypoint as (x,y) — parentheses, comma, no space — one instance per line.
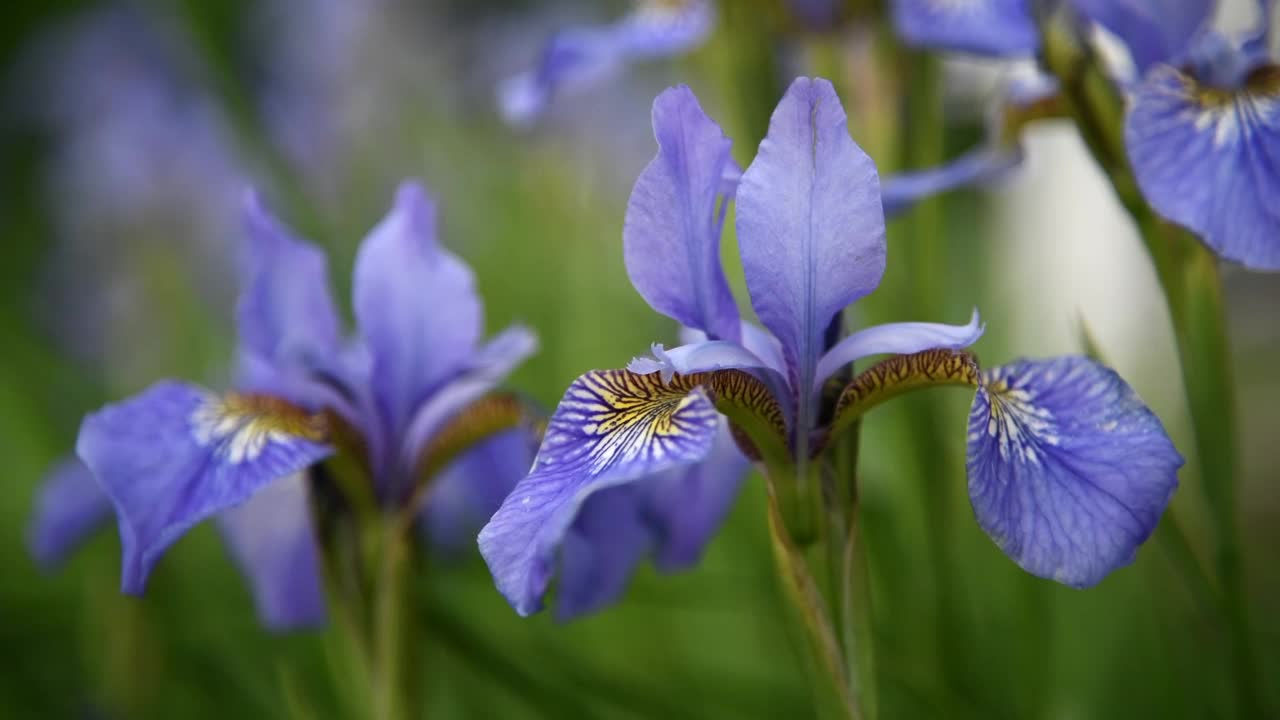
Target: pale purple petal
(483,372)
(810,223)
(902,338)
(704,356)
(755,339)
(69,507)
(977,167)
(466,493)
(1002,28)
(286,313)
(1210,162)
(671,236)
(272,538)
(1069,471)
(612,427)
(416,307)
(581,57)
(177,454)
(1155,31)
(709,356)
(288,325)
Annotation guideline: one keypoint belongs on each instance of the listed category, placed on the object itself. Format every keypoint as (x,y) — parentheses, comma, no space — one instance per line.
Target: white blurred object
(1069,251)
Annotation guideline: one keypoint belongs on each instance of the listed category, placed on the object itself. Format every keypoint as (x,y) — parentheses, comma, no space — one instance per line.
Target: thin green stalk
(851,577)
(392,666)
(749,67)
(922,241)
(832,693)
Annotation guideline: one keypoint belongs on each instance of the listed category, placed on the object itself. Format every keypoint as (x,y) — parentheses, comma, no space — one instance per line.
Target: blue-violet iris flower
(1203,137)
(1068,470)
(177,453)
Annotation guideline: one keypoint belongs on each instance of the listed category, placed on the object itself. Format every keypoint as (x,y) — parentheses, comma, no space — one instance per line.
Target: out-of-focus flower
(394,400)
(142,166)
(1153,30)
(1203,137)
(1068,470)
(576,58)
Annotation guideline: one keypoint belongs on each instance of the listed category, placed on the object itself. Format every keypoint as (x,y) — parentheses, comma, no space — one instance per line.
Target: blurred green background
(115,275)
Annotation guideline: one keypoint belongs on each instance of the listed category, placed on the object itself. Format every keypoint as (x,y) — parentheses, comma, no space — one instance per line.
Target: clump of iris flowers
(396,423)
(1069,471)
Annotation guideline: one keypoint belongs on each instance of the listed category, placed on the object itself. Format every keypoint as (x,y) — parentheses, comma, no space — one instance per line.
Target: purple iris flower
(1203,138)
(1153,30)
(177,453)
(577,58)
(1068,471)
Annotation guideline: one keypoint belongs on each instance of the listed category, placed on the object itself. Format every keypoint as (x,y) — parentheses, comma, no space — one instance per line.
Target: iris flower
(404,402)
(1153,30)
(1203,137)
(1068,470)
(1202,130)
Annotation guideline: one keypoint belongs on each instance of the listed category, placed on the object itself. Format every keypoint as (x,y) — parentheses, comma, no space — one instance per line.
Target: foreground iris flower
(400,408)
(1068,470)
(1203,138)
(580,57)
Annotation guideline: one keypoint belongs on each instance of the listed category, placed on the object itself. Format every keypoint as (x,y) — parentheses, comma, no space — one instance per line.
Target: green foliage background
(959,630)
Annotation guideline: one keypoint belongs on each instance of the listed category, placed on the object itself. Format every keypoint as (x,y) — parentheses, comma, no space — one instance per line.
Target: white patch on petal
(1237,120)
(238,434)
(959,7)
(1019,425)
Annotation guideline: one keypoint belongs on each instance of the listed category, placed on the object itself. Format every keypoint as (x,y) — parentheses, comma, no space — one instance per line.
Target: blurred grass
(541,225)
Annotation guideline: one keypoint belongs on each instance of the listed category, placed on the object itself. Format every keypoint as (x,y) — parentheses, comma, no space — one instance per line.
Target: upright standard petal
(286,314)
(1155,31)
(272,539)
(897,339)
(671,236)
(611,427)
(177,454)
(1069,471)
(810,223)
(69,507)
(1209,159)
(416,306)
(1001,28)
(486,369)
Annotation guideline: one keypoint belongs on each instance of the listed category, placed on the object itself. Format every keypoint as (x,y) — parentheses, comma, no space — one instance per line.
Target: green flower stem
(832,691)
(850,575)
(1189,278)
(392,666)
(367,569)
